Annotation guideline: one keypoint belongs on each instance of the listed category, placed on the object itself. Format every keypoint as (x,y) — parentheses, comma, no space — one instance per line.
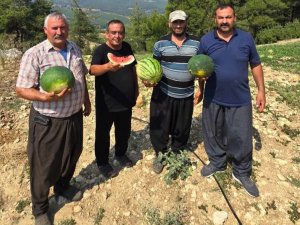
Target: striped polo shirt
(177,82)
(39,58)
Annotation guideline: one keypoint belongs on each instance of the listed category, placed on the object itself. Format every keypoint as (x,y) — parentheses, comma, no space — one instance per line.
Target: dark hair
(113,22)
(223,6)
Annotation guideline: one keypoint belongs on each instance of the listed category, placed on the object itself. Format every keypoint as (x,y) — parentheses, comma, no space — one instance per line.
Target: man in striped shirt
(172,100)
(56,120)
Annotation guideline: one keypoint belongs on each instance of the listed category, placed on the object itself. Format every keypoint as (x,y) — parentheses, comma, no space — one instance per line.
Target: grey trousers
(227,133)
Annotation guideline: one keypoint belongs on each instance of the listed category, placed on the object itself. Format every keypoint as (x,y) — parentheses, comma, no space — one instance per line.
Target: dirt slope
(137,190)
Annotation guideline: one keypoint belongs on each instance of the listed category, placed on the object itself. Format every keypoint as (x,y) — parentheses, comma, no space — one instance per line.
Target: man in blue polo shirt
(172,100)
(227,108)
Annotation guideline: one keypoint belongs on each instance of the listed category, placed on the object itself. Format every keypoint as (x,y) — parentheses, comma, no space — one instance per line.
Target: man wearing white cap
(172,100)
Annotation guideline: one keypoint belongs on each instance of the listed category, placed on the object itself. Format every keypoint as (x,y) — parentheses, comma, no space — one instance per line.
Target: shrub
(178,165)
(273,34)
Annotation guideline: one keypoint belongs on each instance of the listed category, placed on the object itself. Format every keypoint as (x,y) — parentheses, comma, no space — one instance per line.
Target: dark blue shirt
(229,84)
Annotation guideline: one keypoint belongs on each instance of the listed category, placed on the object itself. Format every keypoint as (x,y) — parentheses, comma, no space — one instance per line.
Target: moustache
(224,25)
(58,36)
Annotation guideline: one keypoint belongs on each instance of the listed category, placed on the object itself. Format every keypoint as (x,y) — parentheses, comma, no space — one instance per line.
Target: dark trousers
(54,147)
(227,132)
(104,121)
(169,116)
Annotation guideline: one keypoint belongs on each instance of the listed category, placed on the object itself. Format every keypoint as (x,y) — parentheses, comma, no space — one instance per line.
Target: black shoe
(157,166)
(107,171)
(123,161)
(249,186)
(72,194)
(209,170)
(42,220)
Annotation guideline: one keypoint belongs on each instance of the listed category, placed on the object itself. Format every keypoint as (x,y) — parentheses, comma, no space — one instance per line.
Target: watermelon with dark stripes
(149,69)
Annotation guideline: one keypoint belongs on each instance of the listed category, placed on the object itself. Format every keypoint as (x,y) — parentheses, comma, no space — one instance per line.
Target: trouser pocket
(41,119)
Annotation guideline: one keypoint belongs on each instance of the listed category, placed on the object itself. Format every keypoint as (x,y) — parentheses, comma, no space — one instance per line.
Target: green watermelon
(122,60)
(201,65)
(149,69)
(57,78)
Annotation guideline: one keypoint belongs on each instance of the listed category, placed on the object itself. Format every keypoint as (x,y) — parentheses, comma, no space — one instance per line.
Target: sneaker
(157,166)
(43,220)
(72,194)
(209,170)
(248,184)
(107,171)
(122,161)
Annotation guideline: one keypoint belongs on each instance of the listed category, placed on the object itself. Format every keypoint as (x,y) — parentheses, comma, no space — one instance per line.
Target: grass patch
(22,204)
(294,181)
(273,154)
(70,221)
(178,165)
(292,133)
(99,216)
(226,181)
(154,217)
(281,57)
(203,207)
(271,205)
(296,160)
(288,93)
(293,212)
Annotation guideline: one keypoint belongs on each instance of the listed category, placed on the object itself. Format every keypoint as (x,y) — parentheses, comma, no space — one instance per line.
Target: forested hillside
(118,6)
(146,20)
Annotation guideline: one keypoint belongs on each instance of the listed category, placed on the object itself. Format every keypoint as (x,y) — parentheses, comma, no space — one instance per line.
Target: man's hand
(260,101)
(87,107)
(198,96)
(113,66)
(54,97)
(148,84)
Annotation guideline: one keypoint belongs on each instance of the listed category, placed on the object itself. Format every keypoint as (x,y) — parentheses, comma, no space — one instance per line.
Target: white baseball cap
(177,15)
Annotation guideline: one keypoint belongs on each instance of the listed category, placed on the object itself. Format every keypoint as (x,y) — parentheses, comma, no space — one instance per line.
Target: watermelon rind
(149,69)
(122,60)
(57,78)
(201,65)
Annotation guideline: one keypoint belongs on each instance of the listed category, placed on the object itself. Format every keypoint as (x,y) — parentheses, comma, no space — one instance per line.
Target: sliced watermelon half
(122,60)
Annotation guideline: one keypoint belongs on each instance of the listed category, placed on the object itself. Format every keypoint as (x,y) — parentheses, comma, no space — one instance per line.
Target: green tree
(253,15)
(200,13)
(145,29)
(256,15)
(82,32)
(134,35)
(21,22)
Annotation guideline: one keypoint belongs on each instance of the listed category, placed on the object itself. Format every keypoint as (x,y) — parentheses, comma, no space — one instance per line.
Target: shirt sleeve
(29,72)
(254,56)
(98,57)
(156,51)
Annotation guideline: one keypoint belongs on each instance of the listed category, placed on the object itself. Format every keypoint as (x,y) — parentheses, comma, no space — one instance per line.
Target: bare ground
(128,197)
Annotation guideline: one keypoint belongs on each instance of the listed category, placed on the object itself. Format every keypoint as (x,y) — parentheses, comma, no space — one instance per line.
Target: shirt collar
(169,36)
(49,46)
(235,33)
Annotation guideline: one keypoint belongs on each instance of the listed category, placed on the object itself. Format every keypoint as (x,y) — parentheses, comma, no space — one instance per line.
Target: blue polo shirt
(177,81)
(229,84)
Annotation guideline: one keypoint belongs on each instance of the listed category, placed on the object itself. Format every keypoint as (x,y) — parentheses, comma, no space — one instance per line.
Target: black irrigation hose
(223,193)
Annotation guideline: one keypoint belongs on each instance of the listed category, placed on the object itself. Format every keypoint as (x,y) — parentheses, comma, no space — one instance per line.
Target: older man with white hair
(56,120)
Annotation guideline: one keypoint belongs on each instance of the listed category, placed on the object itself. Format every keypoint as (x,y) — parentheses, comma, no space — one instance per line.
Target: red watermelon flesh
(122,60)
